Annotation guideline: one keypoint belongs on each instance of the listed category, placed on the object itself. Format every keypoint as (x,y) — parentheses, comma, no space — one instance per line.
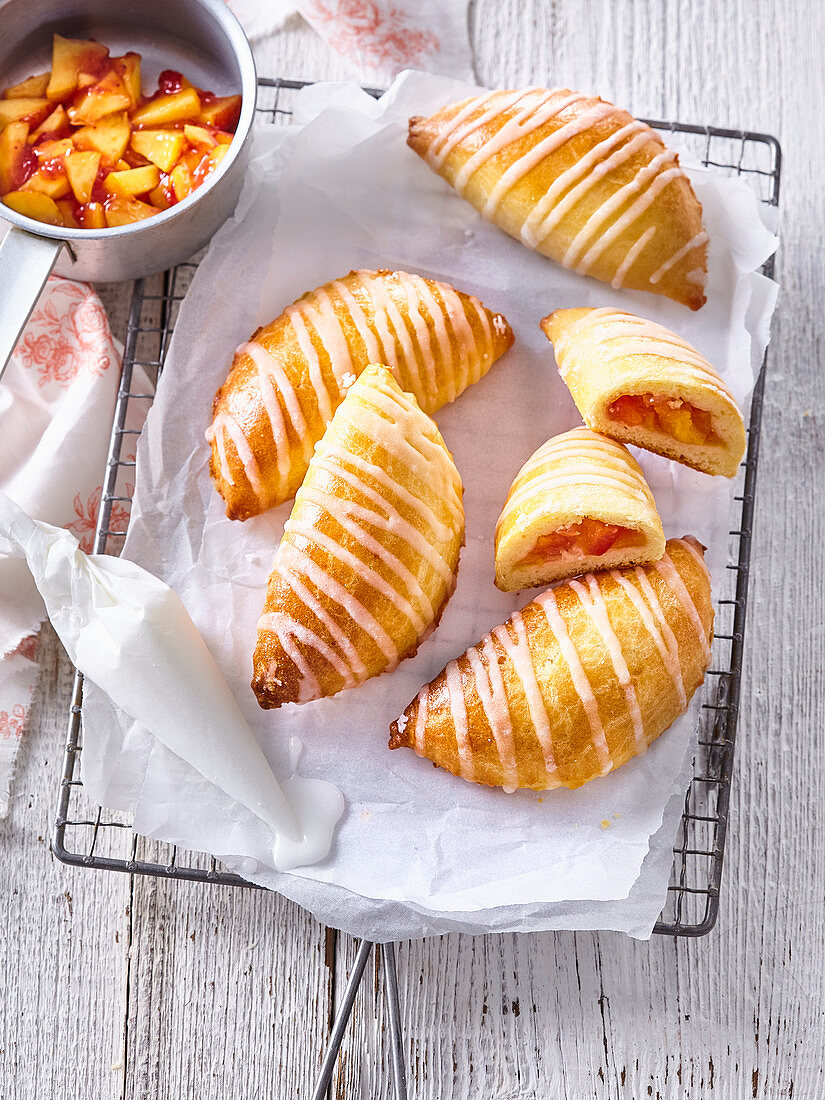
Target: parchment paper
(418,851)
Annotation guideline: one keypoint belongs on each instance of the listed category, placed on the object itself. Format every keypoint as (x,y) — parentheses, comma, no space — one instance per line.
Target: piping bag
(130,634)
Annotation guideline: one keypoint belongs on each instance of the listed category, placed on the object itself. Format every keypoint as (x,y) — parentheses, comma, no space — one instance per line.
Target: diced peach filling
(657,413)
(585,539)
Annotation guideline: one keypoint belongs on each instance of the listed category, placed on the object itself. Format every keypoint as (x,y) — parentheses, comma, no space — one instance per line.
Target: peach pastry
(577,179)
(579,503)
(638,382)
(286,383)
(369,554)
(576,684)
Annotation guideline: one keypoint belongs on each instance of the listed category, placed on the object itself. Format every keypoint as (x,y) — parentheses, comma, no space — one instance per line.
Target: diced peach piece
(31,110)
(167,109)
(53,184)
(123,165)
(124,211)
(71,56)
(57,121)
(34,204)
(161,147)
(52,150)
(93,216)
(181,180)
(109,138)
(216,155)
(199,135)
(223,137)
(31,87)
(85,80)
(128,68)
(134,181)
(81,171)
(67,213)
(106,97)
(13,149)
(223,112)
(159,197)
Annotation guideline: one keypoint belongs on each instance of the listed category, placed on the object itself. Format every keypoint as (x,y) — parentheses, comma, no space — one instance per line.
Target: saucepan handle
(26,261)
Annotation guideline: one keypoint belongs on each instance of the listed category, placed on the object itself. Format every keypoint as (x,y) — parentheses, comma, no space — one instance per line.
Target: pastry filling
(589,538)
(658,413)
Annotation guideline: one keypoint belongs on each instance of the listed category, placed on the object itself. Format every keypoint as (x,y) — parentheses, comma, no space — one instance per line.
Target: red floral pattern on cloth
(11,725)
(381,36)
(28,648)
(84,527)
(65,335)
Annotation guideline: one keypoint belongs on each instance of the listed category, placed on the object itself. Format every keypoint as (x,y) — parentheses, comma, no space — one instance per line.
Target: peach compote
(671,415)
(584,539)
(82,147)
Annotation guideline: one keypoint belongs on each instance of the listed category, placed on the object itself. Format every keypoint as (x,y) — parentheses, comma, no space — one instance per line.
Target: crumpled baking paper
(418,851)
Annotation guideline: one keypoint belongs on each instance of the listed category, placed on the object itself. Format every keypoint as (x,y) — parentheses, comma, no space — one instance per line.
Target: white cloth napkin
(379,38)
(56,403)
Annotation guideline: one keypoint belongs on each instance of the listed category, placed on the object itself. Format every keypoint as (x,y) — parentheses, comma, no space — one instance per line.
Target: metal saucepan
(201,39)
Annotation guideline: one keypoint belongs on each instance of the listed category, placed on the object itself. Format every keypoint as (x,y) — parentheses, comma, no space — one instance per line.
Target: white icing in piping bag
(130,634)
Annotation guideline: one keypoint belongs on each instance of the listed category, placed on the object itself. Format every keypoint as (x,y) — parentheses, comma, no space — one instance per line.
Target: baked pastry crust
(579,180)
(369,554)
(607,355)
(574,685)
(287,381)
(579,488)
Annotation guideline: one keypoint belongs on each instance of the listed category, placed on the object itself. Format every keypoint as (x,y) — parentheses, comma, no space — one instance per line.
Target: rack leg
(339,1025)
(399,1078)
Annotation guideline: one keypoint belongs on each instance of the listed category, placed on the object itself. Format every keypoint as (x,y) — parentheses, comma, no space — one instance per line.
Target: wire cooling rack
(89,836)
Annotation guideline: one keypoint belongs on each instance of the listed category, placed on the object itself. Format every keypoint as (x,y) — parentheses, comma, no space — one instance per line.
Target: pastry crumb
(605,824)
(348,380)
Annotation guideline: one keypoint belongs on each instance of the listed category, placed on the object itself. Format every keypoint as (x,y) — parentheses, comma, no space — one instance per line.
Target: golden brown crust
(606,354)
(543,701)
(286,382)
(577,480)
(604,170)
(369,555)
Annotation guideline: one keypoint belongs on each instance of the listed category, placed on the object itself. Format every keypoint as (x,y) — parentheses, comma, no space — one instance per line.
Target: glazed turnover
(369,554)
(580,502)
(288,380)
(640,383)
(578,179)
(573,686)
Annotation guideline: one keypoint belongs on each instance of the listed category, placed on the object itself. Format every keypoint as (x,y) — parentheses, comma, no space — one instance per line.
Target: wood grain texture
(736,1015)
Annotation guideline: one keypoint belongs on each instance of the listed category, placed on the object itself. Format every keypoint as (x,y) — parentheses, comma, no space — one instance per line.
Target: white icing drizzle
(521,124)
(544,148)
(667,633)
(223,425)
(458,710)
(633,254)
(673,580)
(493,698)
(421,720)
(270,364)
(547,602)
(551,208)
(459,128)
(695,242)
(277,423)
(522,662)
(693,547)
(316,372)
(593,601)
(576,458)
(670,656)
(376,353)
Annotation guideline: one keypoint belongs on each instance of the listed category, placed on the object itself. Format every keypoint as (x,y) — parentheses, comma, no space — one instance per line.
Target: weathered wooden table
(111,987)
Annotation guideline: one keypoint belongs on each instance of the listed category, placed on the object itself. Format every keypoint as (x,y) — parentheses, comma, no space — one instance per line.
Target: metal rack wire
(87,835)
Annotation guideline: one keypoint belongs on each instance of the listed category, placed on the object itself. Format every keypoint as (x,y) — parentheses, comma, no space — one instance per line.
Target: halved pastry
(574,685)
(640,383)
(579,503)
(369,554)
(579,180)
(286,383)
